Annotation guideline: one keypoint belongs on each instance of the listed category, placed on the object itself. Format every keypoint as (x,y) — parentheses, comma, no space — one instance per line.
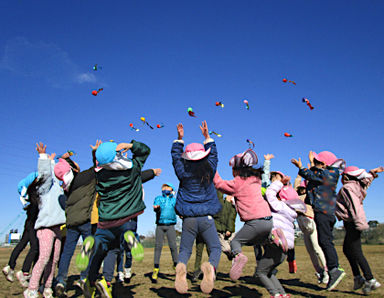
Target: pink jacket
(283,215)
(250,204)
(349,203)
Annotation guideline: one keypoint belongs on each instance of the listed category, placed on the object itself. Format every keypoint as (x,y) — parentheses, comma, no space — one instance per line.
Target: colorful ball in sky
(94,92)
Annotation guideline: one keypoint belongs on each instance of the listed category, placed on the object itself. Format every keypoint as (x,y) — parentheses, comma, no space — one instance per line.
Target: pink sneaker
(237,266)
(279,239)
(207,283)
(181,284)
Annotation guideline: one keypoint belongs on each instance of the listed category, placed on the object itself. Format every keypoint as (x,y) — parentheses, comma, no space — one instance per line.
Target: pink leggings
(49,239)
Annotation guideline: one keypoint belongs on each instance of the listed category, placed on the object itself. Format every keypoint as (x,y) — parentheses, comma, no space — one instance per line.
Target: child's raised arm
(177,151)
(139,150)
(209,143)
(225,186)
(44,168)
(265,177)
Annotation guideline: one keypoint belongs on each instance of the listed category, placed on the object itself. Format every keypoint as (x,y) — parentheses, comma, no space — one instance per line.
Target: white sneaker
(48,293)
(325,279)
(127,273)
(23,279)
(31,294)
(358,282)
(120,276)
(9,273)
(371,285)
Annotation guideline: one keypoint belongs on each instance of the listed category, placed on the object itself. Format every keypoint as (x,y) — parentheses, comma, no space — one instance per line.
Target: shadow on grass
(121,290)
(72,287)
(167,292)
(242,291)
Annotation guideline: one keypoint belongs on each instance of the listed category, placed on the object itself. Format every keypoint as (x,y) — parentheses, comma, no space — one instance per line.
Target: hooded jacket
(349,203)
(193,197)
(167,214)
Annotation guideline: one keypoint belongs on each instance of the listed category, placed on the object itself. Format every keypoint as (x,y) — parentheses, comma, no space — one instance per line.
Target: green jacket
(225,219)
(121,192)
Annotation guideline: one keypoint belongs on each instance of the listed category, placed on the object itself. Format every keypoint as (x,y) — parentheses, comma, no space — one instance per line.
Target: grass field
(301,284)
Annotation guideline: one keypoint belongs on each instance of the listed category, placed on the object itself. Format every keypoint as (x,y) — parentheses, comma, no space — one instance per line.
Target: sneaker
(23,278)
(238,264)
(292,266)
(279,239)
(120,276)
(31,293)
(155,274)
(285,296)
(371,285)
(181,284)
(335,277)
(48,293)
(82,259)
(89,291)
(105,288)
(209,277)
(79,283)
(135,246)
(358,282)
(9,273)
(196,275)
(127,273)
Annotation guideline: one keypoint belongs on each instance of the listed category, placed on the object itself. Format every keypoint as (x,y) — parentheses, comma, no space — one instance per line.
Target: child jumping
(350,210)
(196,203)
(321,194)
(250,204)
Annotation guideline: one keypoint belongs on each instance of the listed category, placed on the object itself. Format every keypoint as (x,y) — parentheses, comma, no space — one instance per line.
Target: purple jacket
(283,215)
(349,203)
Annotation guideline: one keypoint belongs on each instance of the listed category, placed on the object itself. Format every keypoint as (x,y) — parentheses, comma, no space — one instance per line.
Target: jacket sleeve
(310,175)
(265,177)
(147,175)
(231,219)
(140,153)
(178,164)
(156,202)
(297,182)
(44,169)
(355,209)
(212,157)
(225,186)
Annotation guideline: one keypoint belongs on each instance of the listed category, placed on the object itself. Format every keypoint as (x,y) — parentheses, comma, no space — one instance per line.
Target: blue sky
(160,57)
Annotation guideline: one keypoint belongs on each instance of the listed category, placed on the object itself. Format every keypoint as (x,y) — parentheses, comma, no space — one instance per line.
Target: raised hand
(285,180)
(268,156)
(123,146)
(180,131)
(204,129)
(41,148)
(157,172)
(98,143)
(297,163)
(52,156)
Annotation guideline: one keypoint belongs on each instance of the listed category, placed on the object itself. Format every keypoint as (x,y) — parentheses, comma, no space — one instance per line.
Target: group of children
(102,205)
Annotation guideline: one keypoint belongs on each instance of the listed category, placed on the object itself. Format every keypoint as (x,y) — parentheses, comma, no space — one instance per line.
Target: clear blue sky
(160,57)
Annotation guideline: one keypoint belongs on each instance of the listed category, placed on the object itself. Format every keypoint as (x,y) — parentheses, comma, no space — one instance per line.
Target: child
(164,206)
(51,216)
(28,196)
(81,192)
(284,214)
(321,194)
(120,188)
(196,203)
(350,210)
(308,227)
(250,204)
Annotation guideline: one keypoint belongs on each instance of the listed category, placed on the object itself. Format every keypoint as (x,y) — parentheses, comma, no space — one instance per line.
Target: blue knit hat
(26,181)
(170,185)
(106,152)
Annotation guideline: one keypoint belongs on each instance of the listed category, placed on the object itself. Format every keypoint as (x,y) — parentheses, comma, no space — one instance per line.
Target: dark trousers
(73,235)
(353,251)
(324,225)
(291,255)
(29,235)
(105,240)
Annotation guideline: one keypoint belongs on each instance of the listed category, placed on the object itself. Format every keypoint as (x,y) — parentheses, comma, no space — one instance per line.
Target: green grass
(301,284)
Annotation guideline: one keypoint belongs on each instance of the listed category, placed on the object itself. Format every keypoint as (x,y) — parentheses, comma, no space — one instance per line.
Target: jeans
(324,225)
(73,235)
(170,232)
(29,235)
(204,226)
(354,253)
(105,240)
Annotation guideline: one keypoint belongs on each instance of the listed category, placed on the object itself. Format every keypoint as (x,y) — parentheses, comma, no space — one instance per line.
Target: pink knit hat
(195,151)
(245,159)
(288,193)
(356,172)
(329,159)
(61,168)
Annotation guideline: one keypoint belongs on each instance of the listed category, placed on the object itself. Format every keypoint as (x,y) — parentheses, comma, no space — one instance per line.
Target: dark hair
(33,191)
(200,169)
(317,162)
(349,178)
(246,172)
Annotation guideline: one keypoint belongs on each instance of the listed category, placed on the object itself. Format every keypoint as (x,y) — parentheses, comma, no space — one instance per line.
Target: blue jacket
(167,214)
(194,198)
(321,188)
